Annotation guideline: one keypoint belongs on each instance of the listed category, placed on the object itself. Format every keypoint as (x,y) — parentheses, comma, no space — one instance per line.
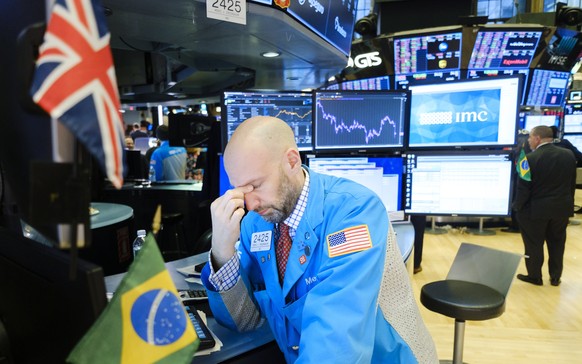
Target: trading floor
(541,325)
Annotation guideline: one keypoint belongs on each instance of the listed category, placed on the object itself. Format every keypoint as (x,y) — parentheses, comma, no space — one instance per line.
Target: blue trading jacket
(327,309)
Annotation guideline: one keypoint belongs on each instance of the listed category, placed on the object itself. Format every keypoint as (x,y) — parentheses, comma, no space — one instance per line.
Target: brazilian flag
(523,166)
(145,322)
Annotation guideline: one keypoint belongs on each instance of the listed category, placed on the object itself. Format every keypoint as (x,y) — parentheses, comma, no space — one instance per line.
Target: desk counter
(235,344)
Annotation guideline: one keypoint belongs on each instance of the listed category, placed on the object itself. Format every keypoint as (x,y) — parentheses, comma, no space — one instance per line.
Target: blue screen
(383,175)
(547,88)
(294,108)
(471,113)
(360,120)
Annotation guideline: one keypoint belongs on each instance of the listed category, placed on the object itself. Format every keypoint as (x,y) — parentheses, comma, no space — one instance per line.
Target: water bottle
(152,175)
(138,242)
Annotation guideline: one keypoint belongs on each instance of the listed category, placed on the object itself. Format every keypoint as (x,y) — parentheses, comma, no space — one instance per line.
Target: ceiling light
(270,54)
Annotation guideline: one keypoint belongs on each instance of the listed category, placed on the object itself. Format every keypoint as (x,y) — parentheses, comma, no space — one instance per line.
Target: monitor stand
(433,229)
(481,231)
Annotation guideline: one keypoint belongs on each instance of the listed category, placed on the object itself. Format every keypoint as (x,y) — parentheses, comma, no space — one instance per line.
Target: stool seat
(172,217)
(462,300)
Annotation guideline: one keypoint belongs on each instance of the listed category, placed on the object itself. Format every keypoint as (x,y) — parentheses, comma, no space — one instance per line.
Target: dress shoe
(417,269)
(510,230)
(555,282)
(528,279)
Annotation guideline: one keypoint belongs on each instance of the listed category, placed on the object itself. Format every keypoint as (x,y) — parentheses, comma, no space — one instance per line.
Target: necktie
(282,249)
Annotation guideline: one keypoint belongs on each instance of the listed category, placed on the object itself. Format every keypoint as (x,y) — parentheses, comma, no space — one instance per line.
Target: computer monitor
(464,114)
(137,166)
(381,174)
(360,120)
(524,72)
(458,183)
(532,120)
(547,88)
(502,47)
(573,118)
(575,139)
(292,107)
(47,303)
(373,83)
(433,56)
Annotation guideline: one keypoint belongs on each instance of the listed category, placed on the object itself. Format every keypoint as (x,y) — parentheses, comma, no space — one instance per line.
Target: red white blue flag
(75,81)
(350,240)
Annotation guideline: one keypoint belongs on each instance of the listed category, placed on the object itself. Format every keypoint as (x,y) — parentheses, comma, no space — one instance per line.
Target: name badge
(261,241)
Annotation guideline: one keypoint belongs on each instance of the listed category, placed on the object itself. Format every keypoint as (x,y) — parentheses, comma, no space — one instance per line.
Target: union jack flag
(75,81)
(350,240)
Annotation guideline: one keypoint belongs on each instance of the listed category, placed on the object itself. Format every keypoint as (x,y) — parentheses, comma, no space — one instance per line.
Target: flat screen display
(531,121)
(427,57)
(573,118)
(332,20)
(464,114)
(383,175)
(504,48)
(547,88)
(471,74)
(458,183)
(360,120)
(575,139)
(295,108)
(374,83)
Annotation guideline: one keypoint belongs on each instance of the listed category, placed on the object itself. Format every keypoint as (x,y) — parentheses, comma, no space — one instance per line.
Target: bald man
(322,307)
(544,205)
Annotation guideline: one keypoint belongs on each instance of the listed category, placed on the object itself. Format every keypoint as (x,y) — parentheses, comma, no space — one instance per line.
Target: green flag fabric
(523,166)
(145,322)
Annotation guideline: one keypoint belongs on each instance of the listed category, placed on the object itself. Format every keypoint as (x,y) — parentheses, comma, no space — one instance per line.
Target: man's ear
(293,159)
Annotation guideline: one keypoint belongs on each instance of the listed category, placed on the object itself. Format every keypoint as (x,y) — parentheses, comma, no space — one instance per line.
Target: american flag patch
(350,240)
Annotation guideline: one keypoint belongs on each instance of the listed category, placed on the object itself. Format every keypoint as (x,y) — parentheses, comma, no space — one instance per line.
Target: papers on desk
(190,274)
(218,344)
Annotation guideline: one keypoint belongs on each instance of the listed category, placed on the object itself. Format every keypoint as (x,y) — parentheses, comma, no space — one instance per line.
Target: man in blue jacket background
(323,296)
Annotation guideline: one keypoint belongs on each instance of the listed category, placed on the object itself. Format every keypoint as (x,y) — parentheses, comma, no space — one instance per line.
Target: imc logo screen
(465,117)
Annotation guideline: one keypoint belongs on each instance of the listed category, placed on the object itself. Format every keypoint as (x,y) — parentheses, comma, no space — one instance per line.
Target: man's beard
(284,207)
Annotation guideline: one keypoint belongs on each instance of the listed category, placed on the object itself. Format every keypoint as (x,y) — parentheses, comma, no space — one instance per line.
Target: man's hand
(227,212)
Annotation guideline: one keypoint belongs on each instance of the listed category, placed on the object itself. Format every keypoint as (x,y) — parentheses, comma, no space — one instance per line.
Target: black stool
(475,289)
(171,236)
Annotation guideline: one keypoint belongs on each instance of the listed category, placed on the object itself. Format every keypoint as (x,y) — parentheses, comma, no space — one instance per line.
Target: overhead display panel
(434,56)
(498,48)
(332,20)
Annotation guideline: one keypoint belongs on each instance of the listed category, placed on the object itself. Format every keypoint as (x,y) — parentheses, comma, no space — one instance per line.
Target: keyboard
(206,339)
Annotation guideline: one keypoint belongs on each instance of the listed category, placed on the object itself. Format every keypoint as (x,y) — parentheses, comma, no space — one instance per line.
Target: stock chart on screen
(360,120)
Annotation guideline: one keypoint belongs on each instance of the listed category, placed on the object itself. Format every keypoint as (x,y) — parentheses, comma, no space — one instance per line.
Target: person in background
(419,224)
(565,143)
(167,163)
(515,154)
(140,130)
(544,205)
(129,144)
(195,164)
(309,257)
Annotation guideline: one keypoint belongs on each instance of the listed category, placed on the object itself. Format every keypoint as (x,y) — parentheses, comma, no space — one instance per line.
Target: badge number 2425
(227,5)
(228,10)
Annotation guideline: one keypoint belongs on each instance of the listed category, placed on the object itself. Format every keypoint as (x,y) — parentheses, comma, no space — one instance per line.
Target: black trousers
(534,232)
(419,224)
